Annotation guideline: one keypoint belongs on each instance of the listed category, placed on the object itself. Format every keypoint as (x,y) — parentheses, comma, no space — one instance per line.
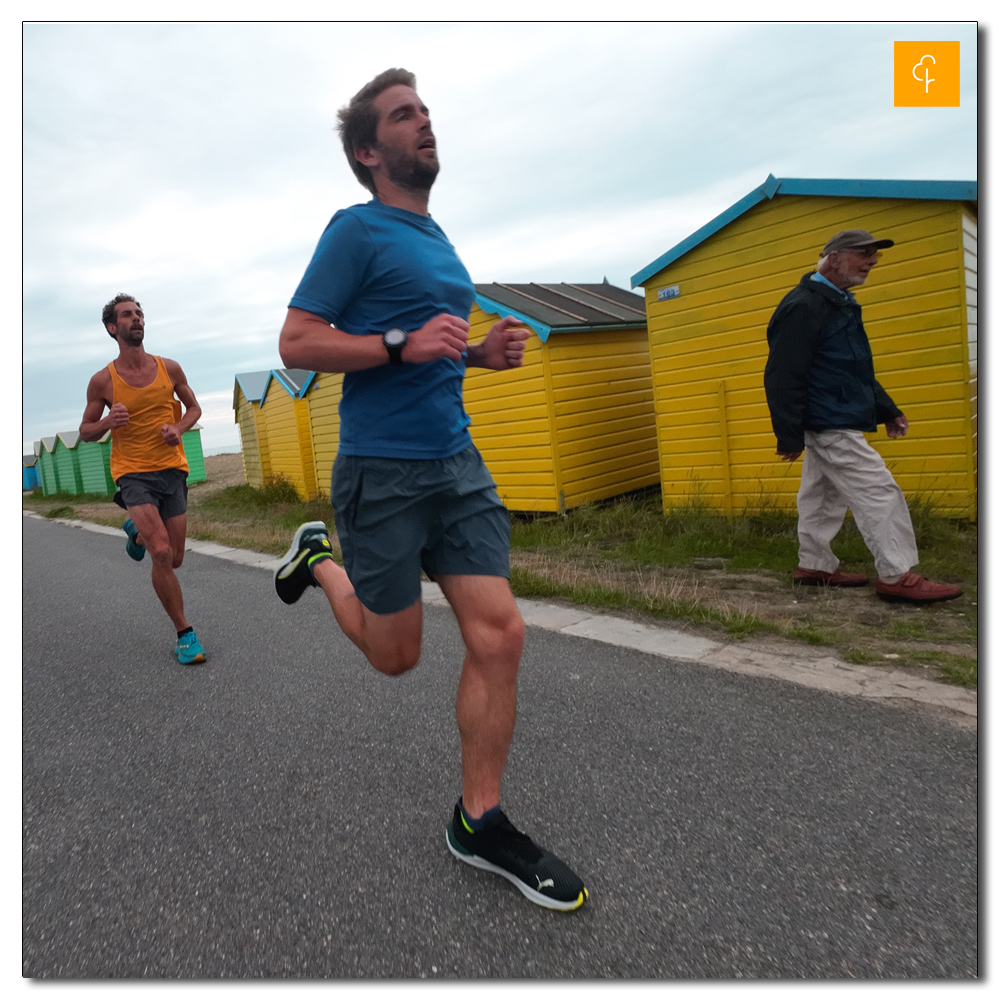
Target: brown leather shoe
(916,589)
(817,578)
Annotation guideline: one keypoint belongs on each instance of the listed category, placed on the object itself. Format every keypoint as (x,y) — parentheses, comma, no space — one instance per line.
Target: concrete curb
(820,671)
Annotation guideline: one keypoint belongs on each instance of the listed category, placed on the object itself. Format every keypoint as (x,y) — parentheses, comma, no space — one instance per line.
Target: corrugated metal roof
(820,187)
(565,306)
(296,380)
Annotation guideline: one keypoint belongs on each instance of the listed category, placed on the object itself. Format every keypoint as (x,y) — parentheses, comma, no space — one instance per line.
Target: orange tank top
(139,445)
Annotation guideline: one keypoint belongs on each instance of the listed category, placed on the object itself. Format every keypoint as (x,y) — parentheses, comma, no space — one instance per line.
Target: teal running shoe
(132,547)
(188,649)
(293,575)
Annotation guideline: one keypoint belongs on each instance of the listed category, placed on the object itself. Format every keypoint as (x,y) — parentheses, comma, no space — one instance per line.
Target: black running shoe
(501,848)
(292,577)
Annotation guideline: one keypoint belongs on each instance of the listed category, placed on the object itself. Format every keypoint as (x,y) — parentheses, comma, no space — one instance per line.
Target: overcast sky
(195,166)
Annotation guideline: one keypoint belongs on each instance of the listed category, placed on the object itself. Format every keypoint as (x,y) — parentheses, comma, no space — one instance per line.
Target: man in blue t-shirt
(385,299)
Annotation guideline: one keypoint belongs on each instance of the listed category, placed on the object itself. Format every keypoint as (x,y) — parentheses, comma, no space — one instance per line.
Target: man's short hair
(358,121)
(110,315)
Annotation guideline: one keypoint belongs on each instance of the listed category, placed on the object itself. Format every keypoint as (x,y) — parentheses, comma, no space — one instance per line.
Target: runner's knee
(498,637)
(160,550)
(395,660)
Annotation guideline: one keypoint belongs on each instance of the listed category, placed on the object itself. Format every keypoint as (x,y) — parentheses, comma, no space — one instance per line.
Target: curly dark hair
(109,315)
(358,120)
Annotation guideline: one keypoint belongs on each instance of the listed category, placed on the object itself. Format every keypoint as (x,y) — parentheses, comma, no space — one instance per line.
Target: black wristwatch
(394,341)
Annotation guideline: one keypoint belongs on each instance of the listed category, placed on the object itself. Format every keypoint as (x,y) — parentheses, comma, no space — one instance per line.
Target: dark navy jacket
(819,374)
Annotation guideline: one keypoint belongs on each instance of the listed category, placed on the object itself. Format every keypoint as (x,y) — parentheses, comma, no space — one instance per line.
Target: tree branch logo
(926,75)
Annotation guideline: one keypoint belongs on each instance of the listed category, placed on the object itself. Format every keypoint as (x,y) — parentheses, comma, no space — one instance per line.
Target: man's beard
(131,337)
(408,171)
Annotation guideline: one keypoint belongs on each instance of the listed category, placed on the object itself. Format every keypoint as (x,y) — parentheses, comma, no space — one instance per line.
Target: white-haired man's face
(848,268)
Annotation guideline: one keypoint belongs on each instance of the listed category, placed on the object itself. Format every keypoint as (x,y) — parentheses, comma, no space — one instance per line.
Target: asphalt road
(280,811)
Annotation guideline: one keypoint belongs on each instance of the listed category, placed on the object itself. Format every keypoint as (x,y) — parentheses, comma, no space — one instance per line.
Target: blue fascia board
(926,190)
(489,306)
(822,187)
(284,383)
(267,385)
(305,385)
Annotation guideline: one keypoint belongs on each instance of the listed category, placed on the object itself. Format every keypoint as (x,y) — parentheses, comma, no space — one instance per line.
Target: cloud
(195,165)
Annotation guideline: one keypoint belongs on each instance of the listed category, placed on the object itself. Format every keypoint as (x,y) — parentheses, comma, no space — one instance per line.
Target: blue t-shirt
(375,268)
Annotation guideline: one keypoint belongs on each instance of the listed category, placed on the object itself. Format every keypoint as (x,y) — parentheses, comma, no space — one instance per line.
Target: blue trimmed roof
(564,307)
(830,187)
(295,381)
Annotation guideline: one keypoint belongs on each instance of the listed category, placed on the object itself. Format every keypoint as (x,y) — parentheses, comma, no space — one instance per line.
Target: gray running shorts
(166,489)
(396,516)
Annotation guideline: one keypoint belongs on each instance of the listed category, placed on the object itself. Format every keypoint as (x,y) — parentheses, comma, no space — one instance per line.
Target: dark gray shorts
(396,516)
(166,489)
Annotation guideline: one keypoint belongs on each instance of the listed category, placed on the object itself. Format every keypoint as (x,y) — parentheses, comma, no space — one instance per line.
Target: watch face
(393,338)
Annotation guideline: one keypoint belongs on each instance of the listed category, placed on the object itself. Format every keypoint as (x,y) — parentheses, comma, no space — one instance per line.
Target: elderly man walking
(822,394)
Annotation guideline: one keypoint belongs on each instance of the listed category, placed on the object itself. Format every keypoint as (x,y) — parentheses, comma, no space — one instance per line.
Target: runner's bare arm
(172,433)
(99,395)
(309,341)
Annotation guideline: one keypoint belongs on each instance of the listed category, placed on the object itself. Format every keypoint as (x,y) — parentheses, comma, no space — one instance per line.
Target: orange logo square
(926,75)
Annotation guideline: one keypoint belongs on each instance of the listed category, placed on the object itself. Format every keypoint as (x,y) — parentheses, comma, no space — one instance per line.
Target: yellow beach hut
(275,429)
(575,423)
(247,393)
(709,299)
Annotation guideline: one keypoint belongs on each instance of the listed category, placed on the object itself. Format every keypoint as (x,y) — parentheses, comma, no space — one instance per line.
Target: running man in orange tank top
(147,455)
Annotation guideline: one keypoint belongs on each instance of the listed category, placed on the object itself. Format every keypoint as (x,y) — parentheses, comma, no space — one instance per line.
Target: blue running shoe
(293,575)
(132,547)
(188,649)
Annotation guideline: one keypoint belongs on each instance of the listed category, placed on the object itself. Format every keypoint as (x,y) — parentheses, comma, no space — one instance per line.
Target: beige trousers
(841,470)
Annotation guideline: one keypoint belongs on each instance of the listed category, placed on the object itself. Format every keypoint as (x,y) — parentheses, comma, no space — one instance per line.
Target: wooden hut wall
(67,468)
(970,244)
(289,441)
(253,473)
(708,348)
(30,476)
(194,455)
(605,425)
(47,471)
(95,470)
(323,398)
(512,416)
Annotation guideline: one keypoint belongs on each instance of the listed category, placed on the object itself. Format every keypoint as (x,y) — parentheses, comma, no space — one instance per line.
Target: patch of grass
(963,670)
(636,529)
(908,630)
(60,511)
(861,657)
(738,623)
(36,500)
(811,634)
(252,498)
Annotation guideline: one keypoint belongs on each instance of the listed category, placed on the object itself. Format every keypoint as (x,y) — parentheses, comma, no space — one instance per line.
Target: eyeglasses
(876,254)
